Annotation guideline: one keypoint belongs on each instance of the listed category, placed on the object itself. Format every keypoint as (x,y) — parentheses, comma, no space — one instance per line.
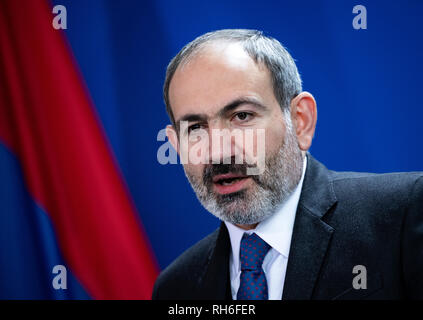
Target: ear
(172,137)
(304,118)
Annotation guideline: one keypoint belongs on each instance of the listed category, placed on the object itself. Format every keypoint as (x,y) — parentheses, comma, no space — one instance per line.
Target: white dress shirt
(276,231)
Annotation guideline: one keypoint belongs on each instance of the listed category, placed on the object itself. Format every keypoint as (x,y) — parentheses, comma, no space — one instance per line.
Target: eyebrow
(191,117)
(239,102)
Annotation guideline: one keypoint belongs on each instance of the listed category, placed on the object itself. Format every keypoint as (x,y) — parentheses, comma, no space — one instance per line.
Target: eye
(243,116)
(195,126)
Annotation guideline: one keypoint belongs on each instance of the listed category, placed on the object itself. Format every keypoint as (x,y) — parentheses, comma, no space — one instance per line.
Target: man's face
(221,87)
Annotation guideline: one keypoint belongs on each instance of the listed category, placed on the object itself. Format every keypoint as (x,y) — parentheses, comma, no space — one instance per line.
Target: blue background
(366,84)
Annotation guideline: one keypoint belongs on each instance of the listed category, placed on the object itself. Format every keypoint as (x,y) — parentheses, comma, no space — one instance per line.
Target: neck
(247,226)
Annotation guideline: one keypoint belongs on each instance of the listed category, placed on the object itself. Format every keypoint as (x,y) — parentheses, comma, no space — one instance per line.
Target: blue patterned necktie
(253,284)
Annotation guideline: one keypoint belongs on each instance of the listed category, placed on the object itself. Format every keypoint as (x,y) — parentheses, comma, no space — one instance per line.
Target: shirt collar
(275,230)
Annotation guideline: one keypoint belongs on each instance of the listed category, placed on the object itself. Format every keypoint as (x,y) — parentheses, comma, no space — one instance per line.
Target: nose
(225,144)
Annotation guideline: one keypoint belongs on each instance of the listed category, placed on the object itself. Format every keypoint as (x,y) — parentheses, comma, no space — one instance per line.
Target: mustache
(212,170)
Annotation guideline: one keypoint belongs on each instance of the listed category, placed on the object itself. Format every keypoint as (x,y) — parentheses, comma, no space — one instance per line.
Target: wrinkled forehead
(216,74)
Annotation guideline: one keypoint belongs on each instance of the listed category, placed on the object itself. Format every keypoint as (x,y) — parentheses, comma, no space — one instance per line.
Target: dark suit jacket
(343,219)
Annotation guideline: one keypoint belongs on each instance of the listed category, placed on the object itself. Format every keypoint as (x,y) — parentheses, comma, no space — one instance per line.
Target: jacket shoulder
(379,199)
(351,175)
(396,186)
(179,279)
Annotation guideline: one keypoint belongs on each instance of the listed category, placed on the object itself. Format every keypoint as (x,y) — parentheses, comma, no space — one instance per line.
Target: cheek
(274,138)
(199,150)
(275,131)
(195,170)
(264,141)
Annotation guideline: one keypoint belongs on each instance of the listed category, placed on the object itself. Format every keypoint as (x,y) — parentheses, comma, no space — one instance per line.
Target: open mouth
(229,182)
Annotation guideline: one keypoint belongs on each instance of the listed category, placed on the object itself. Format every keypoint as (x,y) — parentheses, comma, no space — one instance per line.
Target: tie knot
(253,249)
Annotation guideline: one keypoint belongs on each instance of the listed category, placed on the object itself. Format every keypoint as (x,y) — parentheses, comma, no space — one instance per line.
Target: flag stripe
(50,123)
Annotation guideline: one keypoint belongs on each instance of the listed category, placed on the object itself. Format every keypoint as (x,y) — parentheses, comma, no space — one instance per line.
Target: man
(295,230)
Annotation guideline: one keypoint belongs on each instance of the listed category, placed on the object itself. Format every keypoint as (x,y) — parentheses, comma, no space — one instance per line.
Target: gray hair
(262,49)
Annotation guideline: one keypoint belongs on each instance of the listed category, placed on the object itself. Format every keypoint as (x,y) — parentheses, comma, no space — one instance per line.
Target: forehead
(215,76)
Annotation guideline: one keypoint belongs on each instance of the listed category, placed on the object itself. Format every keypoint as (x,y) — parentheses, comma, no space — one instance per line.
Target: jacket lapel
(311,236)
(215,282)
